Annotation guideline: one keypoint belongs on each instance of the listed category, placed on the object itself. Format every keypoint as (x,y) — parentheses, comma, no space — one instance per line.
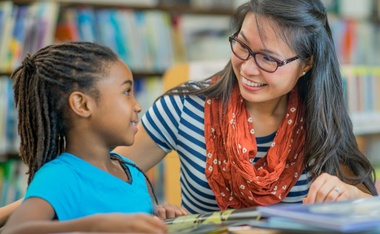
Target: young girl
(75,101)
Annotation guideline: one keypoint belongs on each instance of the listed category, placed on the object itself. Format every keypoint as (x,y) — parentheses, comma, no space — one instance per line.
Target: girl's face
(116,115)
(256,85)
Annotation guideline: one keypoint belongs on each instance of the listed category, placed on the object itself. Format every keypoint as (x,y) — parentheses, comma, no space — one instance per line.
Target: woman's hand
(167,211)
(327,187)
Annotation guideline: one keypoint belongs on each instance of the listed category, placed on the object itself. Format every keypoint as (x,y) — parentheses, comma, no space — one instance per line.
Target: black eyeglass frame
(253,54)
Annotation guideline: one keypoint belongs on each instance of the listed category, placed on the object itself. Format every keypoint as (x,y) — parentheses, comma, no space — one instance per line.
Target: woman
(271,127)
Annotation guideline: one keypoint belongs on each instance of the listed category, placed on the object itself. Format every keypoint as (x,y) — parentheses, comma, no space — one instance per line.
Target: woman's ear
(308,65)
(80,104)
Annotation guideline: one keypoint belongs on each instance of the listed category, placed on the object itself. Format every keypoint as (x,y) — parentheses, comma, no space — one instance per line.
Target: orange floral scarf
(231,143)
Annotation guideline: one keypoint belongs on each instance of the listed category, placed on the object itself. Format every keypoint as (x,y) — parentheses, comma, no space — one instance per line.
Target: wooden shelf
(5,157)
(136,74)
(136,5)
(4,73)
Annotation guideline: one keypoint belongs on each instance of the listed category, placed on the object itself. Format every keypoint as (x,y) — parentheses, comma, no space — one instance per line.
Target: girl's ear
(80,104)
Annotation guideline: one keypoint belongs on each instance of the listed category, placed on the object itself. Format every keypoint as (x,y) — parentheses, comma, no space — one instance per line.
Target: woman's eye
(268,59)
(240,46)
(127,91)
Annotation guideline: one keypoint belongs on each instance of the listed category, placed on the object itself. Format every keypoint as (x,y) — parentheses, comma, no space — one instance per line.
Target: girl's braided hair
(122,163)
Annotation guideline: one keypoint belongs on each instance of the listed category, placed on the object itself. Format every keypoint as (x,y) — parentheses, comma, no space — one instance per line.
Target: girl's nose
(137,107)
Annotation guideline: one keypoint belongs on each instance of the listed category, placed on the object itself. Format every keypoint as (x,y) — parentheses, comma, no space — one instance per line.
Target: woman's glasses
(263,61)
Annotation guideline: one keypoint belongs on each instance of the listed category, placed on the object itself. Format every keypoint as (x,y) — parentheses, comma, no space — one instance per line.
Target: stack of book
(352,216)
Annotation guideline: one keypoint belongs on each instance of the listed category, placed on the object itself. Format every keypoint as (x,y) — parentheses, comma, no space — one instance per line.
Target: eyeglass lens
(262,61)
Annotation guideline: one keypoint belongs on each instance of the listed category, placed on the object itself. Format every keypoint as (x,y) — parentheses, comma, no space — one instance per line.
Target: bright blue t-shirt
(75,188)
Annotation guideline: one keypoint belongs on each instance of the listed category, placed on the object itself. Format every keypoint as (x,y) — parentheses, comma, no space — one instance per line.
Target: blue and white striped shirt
(177,123)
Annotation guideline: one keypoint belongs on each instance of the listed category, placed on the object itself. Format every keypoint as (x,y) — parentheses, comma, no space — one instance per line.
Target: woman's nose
(249,67)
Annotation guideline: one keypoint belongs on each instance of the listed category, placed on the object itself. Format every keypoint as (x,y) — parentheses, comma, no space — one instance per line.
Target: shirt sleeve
(161,121)
(53,179)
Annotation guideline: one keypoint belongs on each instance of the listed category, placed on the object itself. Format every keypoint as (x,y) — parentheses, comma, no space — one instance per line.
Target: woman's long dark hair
(330,142)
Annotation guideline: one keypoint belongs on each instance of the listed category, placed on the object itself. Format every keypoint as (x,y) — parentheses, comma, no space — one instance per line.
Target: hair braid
(147,179)
(41,87)
(122,163)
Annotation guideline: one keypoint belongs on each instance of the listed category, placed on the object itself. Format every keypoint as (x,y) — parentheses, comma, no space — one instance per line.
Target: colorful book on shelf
(47,14)
(160,31)
(41,25)
(8,17)
(108,29)
(11,134)
(9,139)
(3,116)
(12,180)
(18,37)
(86,23)
(347,216)
(67,28)
(132,40)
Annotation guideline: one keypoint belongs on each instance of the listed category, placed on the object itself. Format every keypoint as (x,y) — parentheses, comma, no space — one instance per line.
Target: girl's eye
(127,91)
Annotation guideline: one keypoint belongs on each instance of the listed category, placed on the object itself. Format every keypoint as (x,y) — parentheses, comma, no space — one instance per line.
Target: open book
(212,222)
(347,216)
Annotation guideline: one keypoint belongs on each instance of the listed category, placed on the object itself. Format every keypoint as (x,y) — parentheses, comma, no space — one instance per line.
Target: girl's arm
(35,215)
(7,210)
